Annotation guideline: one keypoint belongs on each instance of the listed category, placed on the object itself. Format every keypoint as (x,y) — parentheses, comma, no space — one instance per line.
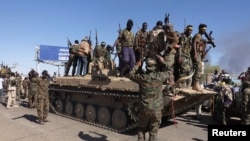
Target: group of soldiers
(182,53)
(83,58)
(35,90)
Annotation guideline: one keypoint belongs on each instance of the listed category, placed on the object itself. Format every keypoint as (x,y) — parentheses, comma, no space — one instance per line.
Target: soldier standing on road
(18,87)
(25,87)
(11,90)
(32,88)
(73,58)
(245,120)
(1,89)
(43,97)
(150,98)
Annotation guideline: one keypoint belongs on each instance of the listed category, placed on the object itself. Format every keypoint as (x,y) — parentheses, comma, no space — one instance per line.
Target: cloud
(234,48)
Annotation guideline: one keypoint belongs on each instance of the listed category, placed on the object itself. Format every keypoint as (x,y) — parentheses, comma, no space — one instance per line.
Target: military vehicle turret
(102,99)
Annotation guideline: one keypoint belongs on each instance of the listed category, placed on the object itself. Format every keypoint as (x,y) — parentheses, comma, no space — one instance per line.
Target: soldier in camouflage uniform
(140,42)
(150,99)
(167,46)
(18,87)
(32,88)
(184,57)
(25,87)
(101,58)
(197,55)
(73,58)
(11,91)
(245,120)
(43,97)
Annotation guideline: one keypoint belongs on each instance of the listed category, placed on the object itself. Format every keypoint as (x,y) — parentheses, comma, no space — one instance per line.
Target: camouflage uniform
(167,43)
(73,58)
(18,87)
(32,86)
(185,66)
(226,100)
(11,91)
(42,99)
(150,101)
(25,87)
(246,99)
(141,40)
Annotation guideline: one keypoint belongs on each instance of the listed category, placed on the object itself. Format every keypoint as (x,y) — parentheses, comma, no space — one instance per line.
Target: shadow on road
(31,118)
(87,137)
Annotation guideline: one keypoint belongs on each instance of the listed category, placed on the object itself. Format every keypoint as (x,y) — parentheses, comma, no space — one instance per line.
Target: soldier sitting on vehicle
(100,60)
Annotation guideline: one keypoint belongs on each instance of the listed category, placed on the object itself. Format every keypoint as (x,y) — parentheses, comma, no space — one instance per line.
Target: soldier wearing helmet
(150,99)
(43,97)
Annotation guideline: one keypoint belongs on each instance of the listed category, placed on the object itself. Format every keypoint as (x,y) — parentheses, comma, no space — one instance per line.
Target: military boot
(141,136)
(196,86)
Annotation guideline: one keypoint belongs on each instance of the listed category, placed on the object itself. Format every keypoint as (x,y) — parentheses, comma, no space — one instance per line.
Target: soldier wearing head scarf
(150,98)
(184,62)
(197,56)
(43,97)
(126,38)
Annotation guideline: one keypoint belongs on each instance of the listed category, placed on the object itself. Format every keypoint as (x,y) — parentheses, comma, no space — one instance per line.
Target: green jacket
(150,88)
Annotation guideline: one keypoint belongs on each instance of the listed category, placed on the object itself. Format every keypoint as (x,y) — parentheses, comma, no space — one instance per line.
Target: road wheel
(79,110)
(119,119)
(103,116)
(69,108)
(90,113)
(59,106)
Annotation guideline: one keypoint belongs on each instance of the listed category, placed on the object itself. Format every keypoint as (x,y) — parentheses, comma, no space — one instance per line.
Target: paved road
(19,124)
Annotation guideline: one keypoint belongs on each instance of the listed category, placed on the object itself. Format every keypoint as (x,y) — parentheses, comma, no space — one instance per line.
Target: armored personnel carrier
(110,102)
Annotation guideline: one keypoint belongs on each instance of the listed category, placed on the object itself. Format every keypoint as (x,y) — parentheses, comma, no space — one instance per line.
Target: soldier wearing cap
(150,98)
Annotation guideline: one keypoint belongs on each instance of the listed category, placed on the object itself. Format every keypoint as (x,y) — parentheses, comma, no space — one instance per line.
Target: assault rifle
(166,20)
(210,38)
(116,42)
(96,43)
(69,42)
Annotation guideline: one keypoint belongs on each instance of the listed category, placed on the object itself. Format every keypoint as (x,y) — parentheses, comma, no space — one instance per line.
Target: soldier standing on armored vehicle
(126,38)
(73,58)
(84,52)
(140,42)
(43,97)
(184,56)
(197,54)
(32,88)
(245,120)
(167,44)
(150,98)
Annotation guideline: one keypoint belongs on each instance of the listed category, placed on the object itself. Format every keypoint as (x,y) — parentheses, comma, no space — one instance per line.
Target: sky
(25,24)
